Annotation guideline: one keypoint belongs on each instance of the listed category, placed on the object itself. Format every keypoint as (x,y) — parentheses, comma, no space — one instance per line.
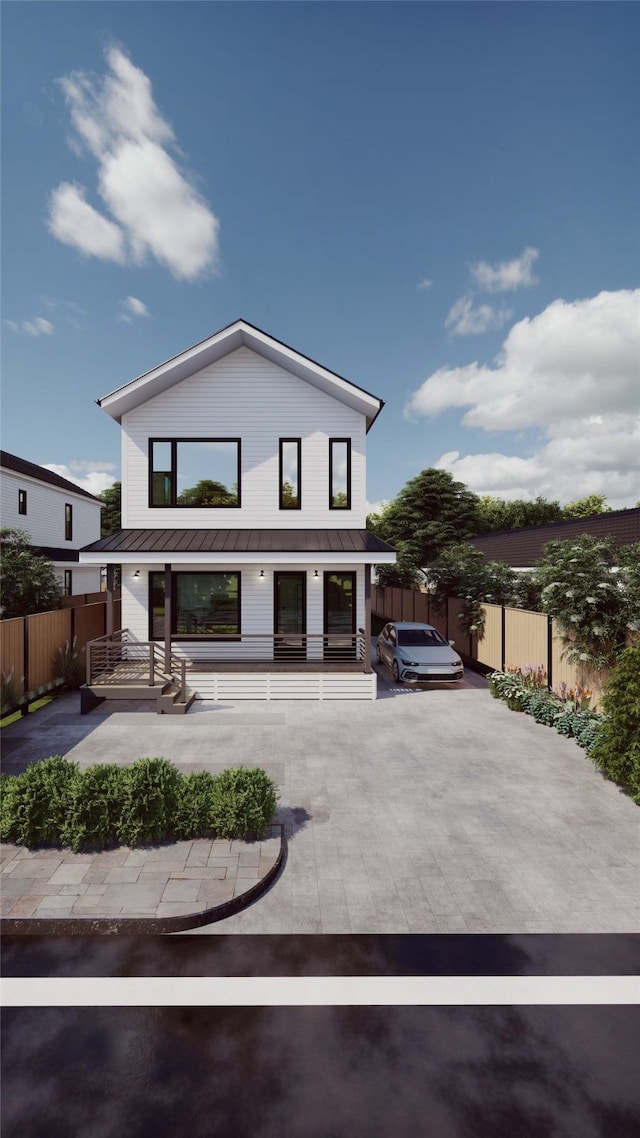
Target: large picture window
(194,473)
(290,454)
(339,474)
(203,605)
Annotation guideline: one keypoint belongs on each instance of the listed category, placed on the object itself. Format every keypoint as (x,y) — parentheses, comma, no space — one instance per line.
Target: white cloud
(92,477)
(74,222)
(36,326)
(132,307)
(377,507)
(465,320)
(426,283)
(572,373)
(155,210)
(507,275)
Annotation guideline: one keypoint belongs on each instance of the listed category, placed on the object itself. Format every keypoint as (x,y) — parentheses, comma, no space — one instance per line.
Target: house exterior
(244,550)
(523,548)
(58,516)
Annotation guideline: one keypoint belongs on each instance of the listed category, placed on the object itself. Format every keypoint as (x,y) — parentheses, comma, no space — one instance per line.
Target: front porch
(250,666)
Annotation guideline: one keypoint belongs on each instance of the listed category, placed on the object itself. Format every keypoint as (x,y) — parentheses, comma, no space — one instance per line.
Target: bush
(149,801)
(54,803)
(193,811)
(35,803)
(69,665)
(95,807)
(616,750)
(243,802)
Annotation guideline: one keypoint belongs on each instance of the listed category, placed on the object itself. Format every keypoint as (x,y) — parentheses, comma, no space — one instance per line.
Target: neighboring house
(523,548)
(244,547)
(58,516)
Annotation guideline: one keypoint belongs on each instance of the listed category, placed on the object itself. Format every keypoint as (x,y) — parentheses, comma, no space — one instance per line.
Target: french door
(340,616)
(290,615)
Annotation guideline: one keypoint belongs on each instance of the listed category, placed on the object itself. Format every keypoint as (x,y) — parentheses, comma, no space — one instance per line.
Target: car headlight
(458,663)
(409,663)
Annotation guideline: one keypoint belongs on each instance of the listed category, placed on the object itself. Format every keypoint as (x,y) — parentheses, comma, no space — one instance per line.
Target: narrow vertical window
(290,462)
(68,522)
(161,473)
(68,582)
(339,474)
(22,501)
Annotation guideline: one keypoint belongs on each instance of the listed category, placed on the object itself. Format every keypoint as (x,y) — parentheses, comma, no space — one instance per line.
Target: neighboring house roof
(32,470)
(222,343)
(232,541)
(522,548)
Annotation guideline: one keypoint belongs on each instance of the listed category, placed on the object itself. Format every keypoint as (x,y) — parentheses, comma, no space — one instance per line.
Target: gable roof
(522,548)
(236,335)
(32,470)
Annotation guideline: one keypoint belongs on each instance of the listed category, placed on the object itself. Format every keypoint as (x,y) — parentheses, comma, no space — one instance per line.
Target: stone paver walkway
(171,880)
(429,810)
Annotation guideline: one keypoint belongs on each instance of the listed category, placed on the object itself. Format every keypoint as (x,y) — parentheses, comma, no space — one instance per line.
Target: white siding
(85,578)
(44,520)
(246,396)
(256,606)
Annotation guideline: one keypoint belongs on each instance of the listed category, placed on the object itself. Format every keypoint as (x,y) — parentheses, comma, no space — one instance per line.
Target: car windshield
(421,637)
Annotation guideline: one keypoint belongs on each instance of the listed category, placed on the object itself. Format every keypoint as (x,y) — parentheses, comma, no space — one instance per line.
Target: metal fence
(29,645)
(513,638)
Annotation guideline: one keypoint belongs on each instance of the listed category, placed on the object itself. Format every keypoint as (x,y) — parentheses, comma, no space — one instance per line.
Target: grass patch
(35,706)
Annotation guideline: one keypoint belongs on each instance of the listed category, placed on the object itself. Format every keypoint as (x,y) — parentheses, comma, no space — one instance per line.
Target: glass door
(340,616)
(290,615)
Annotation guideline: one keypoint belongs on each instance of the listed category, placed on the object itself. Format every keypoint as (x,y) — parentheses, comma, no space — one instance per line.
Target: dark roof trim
(240,541)
(31,470)
(262,332)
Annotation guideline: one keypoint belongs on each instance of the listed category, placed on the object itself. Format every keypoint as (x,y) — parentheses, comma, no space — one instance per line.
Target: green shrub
(36,802)
(149,801)
(95,807)
(193,812)
(243,802)
(7,812)
(616,751)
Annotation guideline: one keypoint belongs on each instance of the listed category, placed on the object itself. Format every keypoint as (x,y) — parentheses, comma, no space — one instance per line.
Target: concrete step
(170,703)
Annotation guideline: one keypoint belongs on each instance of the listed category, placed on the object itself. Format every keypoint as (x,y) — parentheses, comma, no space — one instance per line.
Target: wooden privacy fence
(29,645)
(513,638)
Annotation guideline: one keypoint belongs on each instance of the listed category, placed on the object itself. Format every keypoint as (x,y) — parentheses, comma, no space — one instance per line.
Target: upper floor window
(68,582)
(68,522)
(22,501)
(290,462)
(339,474)
(194,473)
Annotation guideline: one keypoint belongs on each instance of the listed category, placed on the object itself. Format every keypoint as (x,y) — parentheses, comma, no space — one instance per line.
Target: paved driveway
(431,810)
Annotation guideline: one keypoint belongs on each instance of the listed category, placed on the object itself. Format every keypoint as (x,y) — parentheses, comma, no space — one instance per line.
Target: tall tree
(110,515)
(29,582)
(430,513)
(207,493)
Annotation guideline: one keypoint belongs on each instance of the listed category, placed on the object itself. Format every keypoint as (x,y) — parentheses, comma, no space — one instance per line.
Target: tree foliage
(430,513)
(590,601)
(496,514)
(586,507)
(207,493)
(110,515)
(29,582)
(617,748)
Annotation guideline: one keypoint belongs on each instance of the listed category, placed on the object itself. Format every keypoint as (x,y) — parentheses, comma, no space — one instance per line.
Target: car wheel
(396,671)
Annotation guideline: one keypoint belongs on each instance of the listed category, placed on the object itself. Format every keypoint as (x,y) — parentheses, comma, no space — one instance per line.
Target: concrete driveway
(434,809)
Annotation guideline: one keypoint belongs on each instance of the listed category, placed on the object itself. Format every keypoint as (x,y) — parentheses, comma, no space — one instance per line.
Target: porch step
(169,702)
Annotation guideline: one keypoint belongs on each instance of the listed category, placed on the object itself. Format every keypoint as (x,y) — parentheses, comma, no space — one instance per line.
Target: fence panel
(489,649)
(462,639)
(525,638)
(46,632)
(421,601)
(12,651)
(438,618)
(408,604)
(89,624)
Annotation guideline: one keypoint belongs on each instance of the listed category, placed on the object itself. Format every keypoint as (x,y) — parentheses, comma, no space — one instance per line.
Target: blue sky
(438,201)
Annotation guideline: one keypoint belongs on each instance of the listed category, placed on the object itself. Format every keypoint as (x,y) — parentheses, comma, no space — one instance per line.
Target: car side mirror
(451,643)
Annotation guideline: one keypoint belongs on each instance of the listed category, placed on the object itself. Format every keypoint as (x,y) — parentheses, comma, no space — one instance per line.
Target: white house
(244,547)
(58,516)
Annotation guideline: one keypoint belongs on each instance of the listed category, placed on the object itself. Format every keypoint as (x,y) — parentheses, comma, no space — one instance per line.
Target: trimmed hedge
(54,803)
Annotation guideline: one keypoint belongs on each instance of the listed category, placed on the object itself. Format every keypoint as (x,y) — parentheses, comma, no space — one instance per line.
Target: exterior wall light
(137,573)
(262,574)
(316,574)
